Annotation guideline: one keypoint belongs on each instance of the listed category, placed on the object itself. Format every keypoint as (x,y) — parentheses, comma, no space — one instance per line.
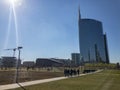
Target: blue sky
(49,28)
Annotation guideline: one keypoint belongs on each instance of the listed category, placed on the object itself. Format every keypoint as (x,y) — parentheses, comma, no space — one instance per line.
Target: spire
(79,14)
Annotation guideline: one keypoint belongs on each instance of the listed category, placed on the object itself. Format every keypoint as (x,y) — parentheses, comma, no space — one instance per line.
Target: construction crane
(17,64)
(14,50)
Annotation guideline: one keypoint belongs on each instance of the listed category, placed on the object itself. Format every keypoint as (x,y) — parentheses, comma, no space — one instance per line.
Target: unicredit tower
(92,41)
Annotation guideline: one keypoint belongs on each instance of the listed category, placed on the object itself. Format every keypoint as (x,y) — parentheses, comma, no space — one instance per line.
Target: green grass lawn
(105,80)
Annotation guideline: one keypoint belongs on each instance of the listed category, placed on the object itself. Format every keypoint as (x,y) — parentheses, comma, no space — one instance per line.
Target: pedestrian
(65,72)
(78,72)
(71,72)
(68,72)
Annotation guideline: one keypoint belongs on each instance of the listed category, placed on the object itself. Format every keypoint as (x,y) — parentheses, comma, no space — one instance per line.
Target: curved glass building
(93,47)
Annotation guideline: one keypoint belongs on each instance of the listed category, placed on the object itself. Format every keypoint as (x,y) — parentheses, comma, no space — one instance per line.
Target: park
(53,45)
(105,80)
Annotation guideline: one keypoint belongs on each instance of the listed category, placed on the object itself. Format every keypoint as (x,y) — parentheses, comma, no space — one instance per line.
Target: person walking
(78,72)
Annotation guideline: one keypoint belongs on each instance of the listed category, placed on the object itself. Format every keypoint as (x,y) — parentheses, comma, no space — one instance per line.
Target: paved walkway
(13,86)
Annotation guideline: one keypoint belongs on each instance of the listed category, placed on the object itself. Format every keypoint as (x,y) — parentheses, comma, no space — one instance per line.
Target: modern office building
(75,58)
(106,49)
(8,62)
(92,41)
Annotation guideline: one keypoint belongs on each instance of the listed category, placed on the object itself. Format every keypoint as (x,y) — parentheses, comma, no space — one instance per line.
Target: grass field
(105,80)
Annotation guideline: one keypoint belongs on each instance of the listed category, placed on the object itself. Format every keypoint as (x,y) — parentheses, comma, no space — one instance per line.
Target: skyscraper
(75,58)
(92,41)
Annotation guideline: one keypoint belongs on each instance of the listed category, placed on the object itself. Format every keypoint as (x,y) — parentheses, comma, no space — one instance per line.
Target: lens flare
(8,29)
(12,12)
(13,1)
(16,27)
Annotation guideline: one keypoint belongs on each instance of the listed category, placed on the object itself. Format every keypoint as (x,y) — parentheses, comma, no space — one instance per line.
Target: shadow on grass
(21,86)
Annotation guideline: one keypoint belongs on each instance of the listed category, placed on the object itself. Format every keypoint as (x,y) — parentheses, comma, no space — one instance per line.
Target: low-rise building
(28,64)
(48,62)
(8,62)
(66,62)
(0,62)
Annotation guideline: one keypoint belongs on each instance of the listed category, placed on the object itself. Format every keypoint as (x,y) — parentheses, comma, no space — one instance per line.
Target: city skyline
(50,28)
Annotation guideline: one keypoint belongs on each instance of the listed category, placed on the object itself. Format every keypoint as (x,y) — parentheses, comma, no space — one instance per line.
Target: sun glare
(13,2)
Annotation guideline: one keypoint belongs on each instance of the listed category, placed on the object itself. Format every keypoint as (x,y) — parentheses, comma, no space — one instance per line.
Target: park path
(13,86)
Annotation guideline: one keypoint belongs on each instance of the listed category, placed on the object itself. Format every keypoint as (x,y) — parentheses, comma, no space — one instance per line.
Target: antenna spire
(79,14)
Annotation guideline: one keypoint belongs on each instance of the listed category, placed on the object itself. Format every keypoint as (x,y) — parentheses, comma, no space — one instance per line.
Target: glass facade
(91,39)
(76,58)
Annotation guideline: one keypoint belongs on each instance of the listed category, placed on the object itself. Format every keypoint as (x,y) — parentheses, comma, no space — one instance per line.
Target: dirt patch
(8,77)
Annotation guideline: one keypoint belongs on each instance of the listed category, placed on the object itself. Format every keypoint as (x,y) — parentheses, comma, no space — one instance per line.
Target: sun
(13,1)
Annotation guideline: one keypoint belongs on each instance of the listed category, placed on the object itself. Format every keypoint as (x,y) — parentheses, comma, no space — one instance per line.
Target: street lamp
(18,61)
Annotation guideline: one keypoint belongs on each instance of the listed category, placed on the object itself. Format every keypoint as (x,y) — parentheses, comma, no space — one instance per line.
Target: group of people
(71,72)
